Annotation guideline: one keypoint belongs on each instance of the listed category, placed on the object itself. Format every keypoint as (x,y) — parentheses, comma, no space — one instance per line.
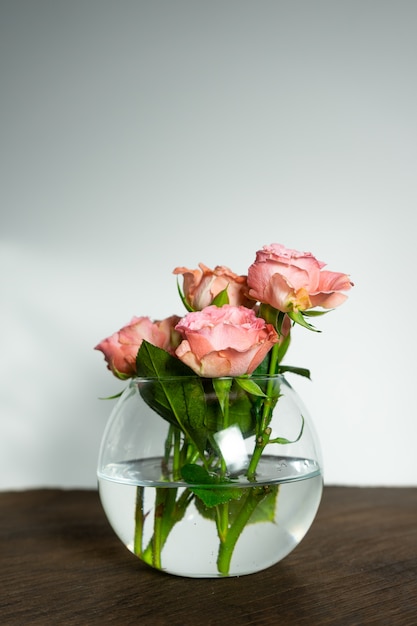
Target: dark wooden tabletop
(60,563)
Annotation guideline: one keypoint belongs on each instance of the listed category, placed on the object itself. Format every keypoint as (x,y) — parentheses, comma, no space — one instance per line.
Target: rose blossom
(121,348)
(202,285)
(224,341)
(294,281)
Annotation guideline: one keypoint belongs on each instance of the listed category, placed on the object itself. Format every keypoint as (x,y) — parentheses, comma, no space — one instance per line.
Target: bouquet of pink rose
(232,340)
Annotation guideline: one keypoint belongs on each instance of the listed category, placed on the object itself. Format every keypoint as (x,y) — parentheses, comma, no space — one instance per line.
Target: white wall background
(137,136)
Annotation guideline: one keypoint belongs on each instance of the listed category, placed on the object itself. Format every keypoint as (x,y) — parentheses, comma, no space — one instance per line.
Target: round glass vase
(210,477)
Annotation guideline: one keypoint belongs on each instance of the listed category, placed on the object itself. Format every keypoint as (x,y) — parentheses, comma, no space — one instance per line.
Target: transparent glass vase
(210,477)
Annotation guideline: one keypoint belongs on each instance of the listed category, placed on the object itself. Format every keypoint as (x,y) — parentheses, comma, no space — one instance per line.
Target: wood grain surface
(60,563)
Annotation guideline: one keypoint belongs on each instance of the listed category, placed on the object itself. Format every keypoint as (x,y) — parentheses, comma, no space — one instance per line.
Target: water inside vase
(192,545)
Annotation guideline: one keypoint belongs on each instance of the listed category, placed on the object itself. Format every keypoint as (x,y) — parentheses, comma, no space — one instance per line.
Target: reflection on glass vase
(226,486)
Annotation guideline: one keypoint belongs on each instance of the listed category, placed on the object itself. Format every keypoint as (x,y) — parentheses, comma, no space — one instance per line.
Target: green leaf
(283,440)
(270,315)
(181,403)
(153,362)
(301,371)
(221,298)
(197,475)
(222,388)
(283,347)
(210,490)
(280,321)
(315,313)
(260,393)
(264,367)
(265,511)
(183,298)
(212,497)
(298,318)
(120,375)
(249,385)
(116,395)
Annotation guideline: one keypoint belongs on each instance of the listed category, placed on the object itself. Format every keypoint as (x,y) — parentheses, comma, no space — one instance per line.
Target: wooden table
(60,563)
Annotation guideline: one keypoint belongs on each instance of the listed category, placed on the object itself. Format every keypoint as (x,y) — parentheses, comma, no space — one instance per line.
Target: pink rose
(294,281)
(202,285)
(224,341)
(121,348)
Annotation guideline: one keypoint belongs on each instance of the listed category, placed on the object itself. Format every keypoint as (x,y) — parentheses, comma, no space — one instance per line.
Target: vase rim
(178,377)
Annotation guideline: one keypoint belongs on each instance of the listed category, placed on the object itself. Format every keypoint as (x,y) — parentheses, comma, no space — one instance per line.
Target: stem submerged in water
(168,511)
(139,521)
(227,545)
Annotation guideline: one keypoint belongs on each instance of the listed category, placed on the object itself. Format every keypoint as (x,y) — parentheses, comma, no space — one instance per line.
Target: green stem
(225,425)
(222,520)
(222,389)
(157,543)
(261,442)
(167,447)
(139,521)
(176,461)
(226,549)
(268,405)
(192,454)
(168,511)
(274,360)
(264,432)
